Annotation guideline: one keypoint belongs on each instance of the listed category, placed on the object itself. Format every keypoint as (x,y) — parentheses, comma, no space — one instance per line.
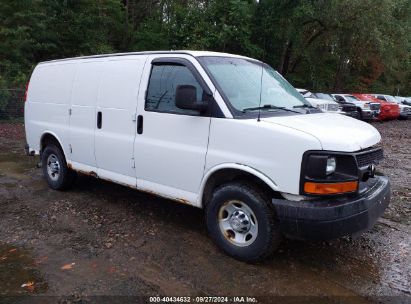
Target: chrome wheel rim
(238,223)
(53,167)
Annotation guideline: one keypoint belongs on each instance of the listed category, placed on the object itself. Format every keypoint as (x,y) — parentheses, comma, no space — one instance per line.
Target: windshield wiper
(269,107)
(304,106)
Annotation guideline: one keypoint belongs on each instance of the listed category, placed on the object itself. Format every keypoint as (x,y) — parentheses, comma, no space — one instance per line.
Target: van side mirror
(186,99)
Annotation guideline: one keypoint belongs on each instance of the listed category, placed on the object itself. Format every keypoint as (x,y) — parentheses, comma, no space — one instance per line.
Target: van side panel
(83,112)
(117,103)
(47,106)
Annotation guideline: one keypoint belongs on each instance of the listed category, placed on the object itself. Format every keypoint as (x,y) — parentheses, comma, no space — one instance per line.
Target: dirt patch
(396,141)
(101,240)
(12,130)
(18,273)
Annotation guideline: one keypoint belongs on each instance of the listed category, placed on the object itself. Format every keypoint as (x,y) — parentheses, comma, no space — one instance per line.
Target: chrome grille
(364,159)
(375,106)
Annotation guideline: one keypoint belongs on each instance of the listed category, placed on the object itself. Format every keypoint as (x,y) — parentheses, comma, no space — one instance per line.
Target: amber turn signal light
(330,188)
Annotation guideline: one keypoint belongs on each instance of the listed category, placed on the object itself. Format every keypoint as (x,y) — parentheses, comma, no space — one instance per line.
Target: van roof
(185,52)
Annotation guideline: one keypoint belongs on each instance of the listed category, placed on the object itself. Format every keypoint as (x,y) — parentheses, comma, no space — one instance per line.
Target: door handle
(99,120)
(140,124)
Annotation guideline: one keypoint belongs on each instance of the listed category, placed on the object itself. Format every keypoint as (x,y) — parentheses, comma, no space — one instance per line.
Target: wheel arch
(229,172)
(50,137)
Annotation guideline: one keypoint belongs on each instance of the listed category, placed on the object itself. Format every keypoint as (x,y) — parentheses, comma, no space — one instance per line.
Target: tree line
(323,45)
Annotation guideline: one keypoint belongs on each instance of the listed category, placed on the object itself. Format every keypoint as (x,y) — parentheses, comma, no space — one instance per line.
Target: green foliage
(324,45)
(34,30)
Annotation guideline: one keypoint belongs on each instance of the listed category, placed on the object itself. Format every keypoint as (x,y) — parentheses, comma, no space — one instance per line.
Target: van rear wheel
(55,170)
(242,222)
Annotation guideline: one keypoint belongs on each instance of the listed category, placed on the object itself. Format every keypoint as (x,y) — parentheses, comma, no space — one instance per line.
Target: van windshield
(248,85)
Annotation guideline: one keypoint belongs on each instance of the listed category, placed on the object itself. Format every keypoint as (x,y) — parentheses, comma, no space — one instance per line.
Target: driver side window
(161,92)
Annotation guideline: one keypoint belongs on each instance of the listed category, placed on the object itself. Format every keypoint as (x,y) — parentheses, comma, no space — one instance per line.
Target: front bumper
(368,114)
(353,114)
(405,115)
(331,218)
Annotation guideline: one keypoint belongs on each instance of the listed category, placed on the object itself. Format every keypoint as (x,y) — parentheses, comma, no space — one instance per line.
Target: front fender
(270,183)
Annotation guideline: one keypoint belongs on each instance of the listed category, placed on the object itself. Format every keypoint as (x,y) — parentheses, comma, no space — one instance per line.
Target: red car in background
(388,110)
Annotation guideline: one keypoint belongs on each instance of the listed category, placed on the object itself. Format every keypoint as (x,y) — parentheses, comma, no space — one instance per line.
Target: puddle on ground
(398,273)
(18,273)
(12,167)
(17,166)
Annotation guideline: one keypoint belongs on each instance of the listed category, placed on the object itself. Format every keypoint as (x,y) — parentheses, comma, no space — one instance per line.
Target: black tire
(360,117)
(65,177)
(267,239)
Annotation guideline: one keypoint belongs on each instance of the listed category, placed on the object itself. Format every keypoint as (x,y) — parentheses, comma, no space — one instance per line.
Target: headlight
(367,106)
(324,173)
(331,165)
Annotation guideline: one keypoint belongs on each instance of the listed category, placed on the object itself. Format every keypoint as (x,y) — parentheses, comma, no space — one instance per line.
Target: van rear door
(115,126)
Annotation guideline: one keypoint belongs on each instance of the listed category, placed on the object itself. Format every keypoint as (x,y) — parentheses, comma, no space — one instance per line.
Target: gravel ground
(100,241)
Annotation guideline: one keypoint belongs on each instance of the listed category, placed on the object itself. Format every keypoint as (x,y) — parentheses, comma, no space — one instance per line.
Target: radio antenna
(261,90)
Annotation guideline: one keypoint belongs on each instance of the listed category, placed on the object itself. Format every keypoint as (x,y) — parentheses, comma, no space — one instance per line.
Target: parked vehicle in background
(194,127)
(348,108)
(404,100)
(327,106)
(400,98)
(389,110)
(405,110)
(305,93)
(366,110)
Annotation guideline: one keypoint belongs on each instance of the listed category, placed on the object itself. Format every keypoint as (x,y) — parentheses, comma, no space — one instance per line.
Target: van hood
(335,132)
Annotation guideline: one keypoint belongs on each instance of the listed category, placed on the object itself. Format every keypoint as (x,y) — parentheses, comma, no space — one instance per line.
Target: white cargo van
(217,131)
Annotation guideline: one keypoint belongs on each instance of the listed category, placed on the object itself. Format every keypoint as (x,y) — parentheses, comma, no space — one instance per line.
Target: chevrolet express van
(216,131)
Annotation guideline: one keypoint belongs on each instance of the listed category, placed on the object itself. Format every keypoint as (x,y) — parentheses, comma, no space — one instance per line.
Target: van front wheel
(55,170)
(242,222)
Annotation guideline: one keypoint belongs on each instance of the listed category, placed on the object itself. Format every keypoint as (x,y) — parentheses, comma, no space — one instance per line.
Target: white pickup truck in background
(327,106)
(367,110)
